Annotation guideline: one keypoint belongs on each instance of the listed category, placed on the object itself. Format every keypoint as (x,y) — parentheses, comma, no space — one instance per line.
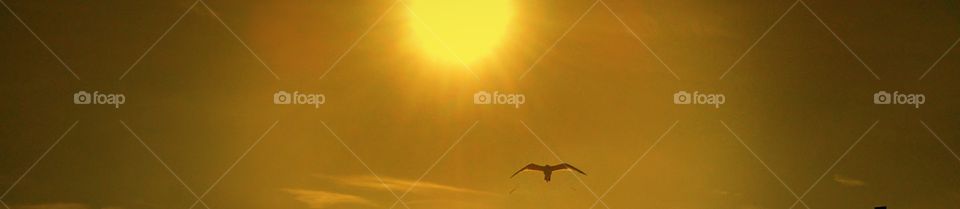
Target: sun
(459,30)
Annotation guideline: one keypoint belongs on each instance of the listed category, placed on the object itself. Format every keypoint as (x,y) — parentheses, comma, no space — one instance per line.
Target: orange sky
(400,118)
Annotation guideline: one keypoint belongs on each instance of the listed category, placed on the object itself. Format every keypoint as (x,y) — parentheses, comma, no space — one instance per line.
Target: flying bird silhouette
(547,169)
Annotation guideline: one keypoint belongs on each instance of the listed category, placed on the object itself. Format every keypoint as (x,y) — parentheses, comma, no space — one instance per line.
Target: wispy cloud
(52,206)
(448,203)
(847,181)
(727,193)
(322,199)
(57,206)
(751,207)
(400,185)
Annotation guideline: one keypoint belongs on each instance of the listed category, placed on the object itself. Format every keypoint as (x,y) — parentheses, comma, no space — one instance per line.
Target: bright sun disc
(455,30)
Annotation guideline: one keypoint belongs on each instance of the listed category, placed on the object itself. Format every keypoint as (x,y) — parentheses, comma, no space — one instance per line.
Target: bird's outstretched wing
(564,166)
(530,166)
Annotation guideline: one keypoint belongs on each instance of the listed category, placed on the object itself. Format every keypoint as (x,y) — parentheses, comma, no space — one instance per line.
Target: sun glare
(466,30)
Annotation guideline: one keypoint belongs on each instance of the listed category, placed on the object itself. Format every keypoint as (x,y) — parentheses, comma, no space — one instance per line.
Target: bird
(547,169)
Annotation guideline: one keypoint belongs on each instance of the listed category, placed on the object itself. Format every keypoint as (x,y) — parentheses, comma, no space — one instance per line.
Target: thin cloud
(394,184)
(727,193)
(53,206)
(751,207)
(448,203)
(322,199)
(58,206)
(846,181)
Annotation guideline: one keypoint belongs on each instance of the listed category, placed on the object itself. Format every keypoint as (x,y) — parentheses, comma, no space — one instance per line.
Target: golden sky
(400,120)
